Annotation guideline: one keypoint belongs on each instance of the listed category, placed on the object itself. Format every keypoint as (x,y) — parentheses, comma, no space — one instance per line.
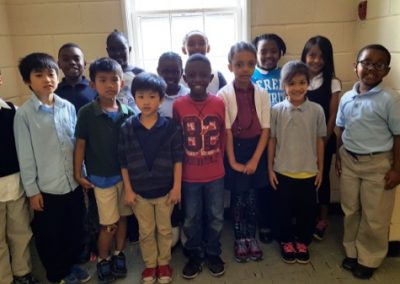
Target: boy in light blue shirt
(44,135)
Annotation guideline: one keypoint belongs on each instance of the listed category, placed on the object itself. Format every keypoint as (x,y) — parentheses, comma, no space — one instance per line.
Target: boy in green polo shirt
(97,131)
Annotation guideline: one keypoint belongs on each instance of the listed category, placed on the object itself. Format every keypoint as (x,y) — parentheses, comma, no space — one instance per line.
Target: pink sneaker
(255,251)
(164,274)
(149,275)
(241,251)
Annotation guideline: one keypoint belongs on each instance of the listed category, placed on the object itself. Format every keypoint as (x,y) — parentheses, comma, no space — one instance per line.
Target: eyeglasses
(369,65)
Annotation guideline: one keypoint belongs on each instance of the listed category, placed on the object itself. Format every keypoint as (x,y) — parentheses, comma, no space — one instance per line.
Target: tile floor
(324,267)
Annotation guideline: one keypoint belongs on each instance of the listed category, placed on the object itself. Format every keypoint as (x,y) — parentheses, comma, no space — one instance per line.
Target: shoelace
(288,247)
(301,247)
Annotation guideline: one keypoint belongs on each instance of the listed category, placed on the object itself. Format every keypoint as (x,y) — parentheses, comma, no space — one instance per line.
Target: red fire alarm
(362,10)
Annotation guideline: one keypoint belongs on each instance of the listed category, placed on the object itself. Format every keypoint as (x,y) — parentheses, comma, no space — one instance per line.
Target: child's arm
(320,161)
(130,195)
(79,155)
(333,108)
(175,193)
(339,143)
(230,153)
(273,180)
(392,177)
(251,165)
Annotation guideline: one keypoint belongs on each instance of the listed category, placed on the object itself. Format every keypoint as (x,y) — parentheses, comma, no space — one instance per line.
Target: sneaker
(349,263)
(149,275)
(70,279)
(164,274)
(192,269)
(320,229)
(26,279)
(254,249)
(215,265)
(302,254)
(288,252)
(241,251)
(118,265)
(104,273)
(80,273)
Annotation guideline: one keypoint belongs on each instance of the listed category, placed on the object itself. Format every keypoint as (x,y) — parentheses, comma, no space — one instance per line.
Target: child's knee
(110,229)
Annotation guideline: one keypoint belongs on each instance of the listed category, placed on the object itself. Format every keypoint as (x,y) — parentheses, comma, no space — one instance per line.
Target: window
(157,26)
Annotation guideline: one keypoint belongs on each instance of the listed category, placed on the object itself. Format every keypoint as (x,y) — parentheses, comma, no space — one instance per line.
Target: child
(368,161)
(150,153)
(197,42)
(74,87)
(202,117)
(97,133)
(324,89)
(118,48)
(267,75)
(44,135)
(15,232)
(247,127)
(295,161)
(170,69)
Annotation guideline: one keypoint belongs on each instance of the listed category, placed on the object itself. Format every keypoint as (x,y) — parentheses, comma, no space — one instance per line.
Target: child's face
(196,43)
(315,60)
(43,82)
(118,50)
(371,68)
(296,89)
(148,101)
(107,85)
(242,66)
(268,54)
(171,71)
(71,62)
(197,76)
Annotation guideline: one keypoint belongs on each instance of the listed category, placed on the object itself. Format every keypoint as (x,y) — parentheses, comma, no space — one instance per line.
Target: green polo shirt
(101,135)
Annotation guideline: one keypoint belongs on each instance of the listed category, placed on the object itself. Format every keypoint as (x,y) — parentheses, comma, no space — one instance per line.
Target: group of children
(143,143)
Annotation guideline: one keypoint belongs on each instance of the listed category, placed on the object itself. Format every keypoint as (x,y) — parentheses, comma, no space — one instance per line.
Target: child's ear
(208,48)
(158,71)
(184,50)
(92,85)
(211,77)
(122,83)
(230,67)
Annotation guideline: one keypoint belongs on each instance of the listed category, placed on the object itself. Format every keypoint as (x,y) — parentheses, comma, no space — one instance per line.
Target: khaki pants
(155,230)
(15,235)
(367,206)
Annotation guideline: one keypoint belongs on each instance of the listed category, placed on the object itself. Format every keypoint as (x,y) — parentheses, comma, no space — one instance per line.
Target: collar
(3,104)
(64,84)
(159,123)
(375,90)
(37,104)
(301,107)
(99,111)
(265,72)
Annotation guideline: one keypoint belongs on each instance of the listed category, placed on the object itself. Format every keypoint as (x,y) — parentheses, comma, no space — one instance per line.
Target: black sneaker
(288,252)
(349,263)
(363,272)
(192,268)
(320,229)
(302,253)
(118,265)
(104,272)
(215,265)
(26,279)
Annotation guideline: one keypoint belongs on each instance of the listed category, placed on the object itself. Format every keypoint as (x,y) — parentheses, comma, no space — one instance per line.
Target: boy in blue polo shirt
(368,161)
(44,136)
(150,152)
(97,133)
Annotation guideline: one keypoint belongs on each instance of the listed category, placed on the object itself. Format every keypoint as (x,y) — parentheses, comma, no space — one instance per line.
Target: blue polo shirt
(79,95)
(369,120)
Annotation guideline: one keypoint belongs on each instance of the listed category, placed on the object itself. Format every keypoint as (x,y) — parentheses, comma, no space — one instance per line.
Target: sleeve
(122,146)
(394,116)
(82,129)
(340,119)
(177,144)
(223,95)
(321,123)
(265,110)
(336,85)
(26,157)
(221,80)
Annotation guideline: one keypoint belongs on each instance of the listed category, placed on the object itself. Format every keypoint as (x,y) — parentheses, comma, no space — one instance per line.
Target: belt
(355,155)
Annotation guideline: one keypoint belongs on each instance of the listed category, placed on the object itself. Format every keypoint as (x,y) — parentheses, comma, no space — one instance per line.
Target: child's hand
(392,179)
(85,183)
(338,165)
(318,180)
(130,198)
(174,196)
(238,167)
(273,180)
(250,167)
(36,202)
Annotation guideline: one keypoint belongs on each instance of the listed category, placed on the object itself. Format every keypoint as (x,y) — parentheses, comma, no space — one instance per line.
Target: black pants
(267,209)
(324,192)
(58,232)
(296,198)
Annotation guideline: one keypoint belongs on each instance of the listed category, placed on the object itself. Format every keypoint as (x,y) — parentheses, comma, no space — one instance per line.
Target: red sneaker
(149,275)
(164,274)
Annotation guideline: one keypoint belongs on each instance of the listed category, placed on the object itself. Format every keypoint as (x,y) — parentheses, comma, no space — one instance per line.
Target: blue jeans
(203,200)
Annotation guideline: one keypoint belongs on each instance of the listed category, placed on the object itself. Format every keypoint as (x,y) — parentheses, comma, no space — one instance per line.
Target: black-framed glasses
(380,66)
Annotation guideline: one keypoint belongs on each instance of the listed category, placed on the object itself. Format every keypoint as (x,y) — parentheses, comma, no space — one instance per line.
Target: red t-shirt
(203,126)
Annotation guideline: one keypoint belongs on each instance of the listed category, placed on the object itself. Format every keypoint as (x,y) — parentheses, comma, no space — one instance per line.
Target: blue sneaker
(118,265)
(104,273)
(70,279)
(80,273)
